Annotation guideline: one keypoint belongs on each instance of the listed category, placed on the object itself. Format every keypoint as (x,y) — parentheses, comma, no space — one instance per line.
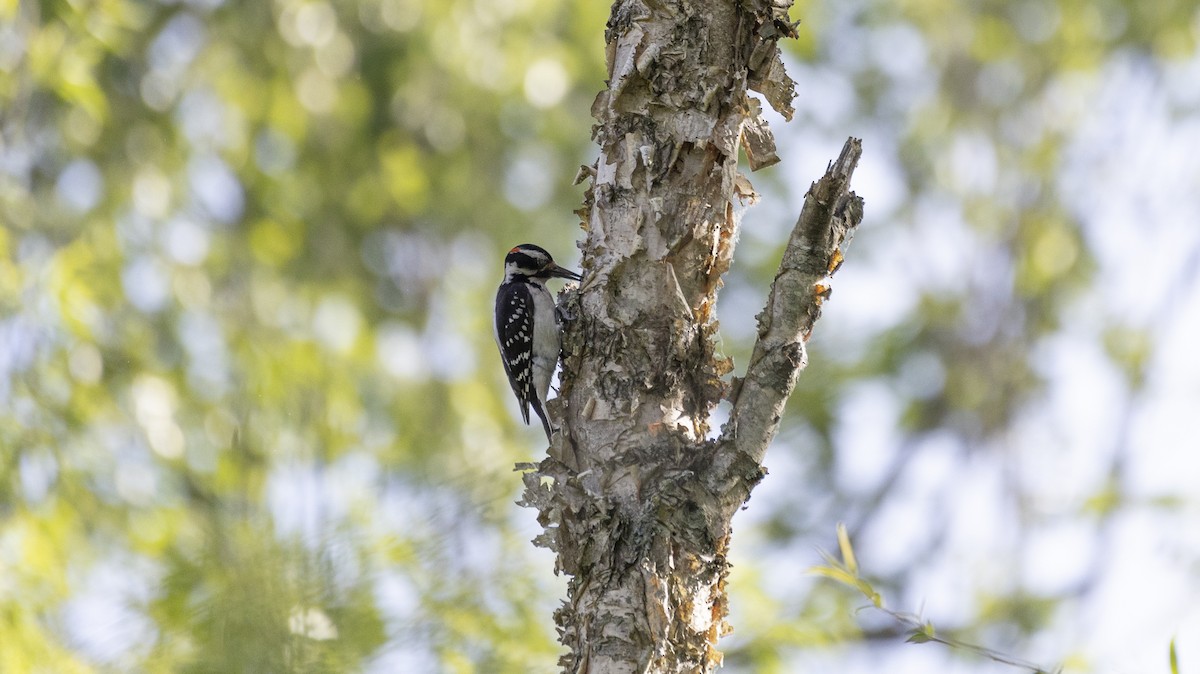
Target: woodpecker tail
(537,407)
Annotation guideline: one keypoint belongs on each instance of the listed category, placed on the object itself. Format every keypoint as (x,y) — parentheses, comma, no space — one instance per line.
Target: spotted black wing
(514,335)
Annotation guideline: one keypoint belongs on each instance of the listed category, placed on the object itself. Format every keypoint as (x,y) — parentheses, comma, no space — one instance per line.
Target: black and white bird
(527,330)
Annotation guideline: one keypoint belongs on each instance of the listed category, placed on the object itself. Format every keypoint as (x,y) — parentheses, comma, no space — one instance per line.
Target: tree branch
(814,252)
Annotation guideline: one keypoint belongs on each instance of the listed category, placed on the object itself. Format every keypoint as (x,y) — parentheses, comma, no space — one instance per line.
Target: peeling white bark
(813,254)
(636,501)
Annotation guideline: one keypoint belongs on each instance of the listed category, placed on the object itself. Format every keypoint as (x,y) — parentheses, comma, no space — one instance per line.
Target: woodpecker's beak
(556,271)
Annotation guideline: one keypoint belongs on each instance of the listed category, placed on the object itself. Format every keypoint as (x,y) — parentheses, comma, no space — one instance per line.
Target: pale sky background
(1135,167)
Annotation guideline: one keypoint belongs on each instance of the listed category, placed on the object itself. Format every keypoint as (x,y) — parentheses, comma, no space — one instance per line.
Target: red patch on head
(515,249)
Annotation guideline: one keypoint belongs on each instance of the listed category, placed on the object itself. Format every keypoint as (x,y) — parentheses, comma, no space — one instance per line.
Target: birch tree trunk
(637,495)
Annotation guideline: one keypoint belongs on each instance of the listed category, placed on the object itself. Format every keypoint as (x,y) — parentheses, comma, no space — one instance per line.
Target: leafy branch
(920,631)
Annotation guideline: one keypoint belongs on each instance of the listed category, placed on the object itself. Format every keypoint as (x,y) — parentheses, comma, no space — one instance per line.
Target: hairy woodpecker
(527,326)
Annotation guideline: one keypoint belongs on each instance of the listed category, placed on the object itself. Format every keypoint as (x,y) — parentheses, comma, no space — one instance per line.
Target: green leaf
(918,637)
(847,550)
(835,573)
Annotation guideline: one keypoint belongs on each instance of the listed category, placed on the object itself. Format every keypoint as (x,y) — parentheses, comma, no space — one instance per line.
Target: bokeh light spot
(80,186)
(546,83)
(151,193)
(337,322)
(85,364)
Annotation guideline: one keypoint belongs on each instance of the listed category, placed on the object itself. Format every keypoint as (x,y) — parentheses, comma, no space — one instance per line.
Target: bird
(526,327)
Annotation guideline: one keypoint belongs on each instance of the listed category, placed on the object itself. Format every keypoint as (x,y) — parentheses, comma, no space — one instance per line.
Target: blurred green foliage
(250,417)
(234,234)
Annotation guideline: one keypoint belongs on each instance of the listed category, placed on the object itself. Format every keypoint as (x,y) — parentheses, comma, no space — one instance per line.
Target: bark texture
(636,497)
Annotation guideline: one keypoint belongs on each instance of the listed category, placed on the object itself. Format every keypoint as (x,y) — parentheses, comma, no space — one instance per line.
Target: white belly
(545,341)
